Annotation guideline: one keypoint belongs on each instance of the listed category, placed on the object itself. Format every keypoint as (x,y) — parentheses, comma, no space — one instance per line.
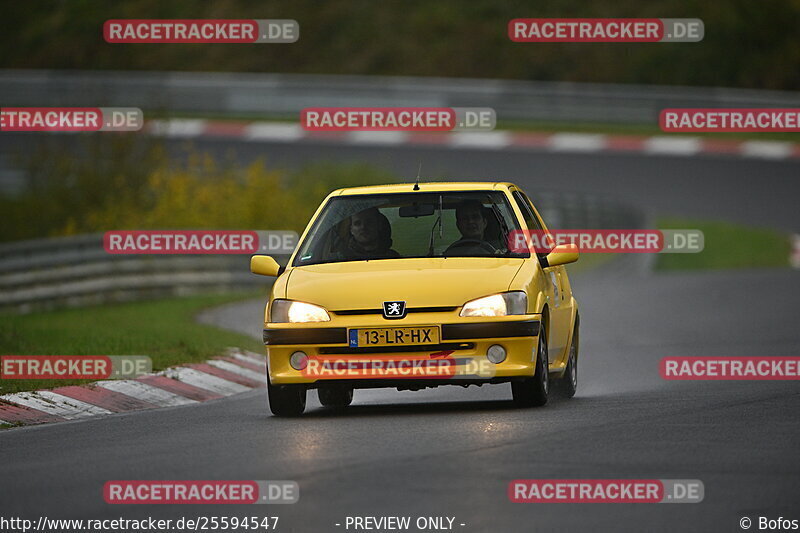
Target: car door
(560,302)
(565,289)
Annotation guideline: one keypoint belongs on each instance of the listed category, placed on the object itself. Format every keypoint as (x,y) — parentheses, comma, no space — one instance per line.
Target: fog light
(496,354)
(298,360)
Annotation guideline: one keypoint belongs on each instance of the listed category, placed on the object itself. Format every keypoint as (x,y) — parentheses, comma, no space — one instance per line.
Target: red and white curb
(794,259)
(670,145)
(238,371)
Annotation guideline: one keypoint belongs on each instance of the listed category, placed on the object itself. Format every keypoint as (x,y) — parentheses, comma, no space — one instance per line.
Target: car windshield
(410,225)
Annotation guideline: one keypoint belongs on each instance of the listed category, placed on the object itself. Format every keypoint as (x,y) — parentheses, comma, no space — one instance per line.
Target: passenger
(370,237)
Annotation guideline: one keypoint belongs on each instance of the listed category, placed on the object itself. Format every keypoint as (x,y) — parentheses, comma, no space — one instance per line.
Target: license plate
(394,336)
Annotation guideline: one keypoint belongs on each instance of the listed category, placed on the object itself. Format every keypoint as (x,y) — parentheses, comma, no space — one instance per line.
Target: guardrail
(287,94)
(77,271)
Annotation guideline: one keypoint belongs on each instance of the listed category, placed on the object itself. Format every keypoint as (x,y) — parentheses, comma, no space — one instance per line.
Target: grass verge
(589,261)
(163,329)
(727,246)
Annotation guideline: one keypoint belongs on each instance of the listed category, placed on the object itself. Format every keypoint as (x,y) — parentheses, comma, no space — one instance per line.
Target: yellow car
(417,285)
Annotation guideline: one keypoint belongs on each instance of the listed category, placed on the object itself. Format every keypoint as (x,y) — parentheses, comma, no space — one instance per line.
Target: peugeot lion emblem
(394,310)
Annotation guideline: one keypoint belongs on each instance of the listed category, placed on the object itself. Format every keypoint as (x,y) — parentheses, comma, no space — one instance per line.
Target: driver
(370,237)
(471,222)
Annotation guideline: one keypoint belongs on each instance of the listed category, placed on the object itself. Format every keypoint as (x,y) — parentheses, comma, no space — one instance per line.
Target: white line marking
(268,131)
(672,145)
(577,142)
(178,127)
(143,391)
(480,139)
(56,404)
(258,355)
(262,367)
(248,357)
(767,149)
(377,137)
(67,402)
(201,380)
(236,369)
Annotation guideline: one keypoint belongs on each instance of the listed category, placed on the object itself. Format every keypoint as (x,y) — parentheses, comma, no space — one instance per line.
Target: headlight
(290,311)
(507,303)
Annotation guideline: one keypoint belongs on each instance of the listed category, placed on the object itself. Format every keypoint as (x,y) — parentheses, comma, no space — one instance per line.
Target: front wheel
(532,392)
(286,400)
(568,385)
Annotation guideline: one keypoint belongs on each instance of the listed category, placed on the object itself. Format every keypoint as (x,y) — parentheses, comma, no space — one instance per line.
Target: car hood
(428,282)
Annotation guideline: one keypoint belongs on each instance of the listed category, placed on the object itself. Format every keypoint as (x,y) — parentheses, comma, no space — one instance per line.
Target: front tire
(286,400)
(532,392)
(335,397)
(568,385)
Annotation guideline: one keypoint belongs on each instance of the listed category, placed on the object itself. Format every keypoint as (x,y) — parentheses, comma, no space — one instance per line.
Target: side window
(531,209)
(527,214)
(530,218)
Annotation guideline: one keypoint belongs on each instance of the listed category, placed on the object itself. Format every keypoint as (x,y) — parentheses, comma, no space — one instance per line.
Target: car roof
(444,186)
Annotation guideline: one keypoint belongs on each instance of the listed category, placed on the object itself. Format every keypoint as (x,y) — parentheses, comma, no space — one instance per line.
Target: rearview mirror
(562,255)
(416,210)
(265,265)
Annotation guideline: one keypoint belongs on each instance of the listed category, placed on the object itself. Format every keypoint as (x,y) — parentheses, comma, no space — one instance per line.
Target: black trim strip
(275,336)
(477,330)
(409,310)
(488,330)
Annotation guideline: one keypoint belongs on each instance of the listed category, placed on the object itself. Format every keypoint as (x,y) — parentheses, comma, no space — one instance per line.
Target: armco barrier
(75,271)
(223,94)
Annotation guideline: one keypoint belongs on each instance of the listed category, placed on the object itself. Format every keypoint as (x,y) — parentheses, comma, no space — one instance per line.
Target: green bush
(125,186)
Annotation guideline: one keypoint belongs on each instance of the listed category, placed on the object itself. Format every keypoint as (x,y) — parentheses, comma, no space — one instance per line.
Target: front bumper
(464,340)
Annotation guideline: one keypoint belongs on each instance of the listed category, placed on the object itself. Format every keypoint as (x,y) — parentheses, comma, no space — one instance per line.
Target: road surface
(452,451)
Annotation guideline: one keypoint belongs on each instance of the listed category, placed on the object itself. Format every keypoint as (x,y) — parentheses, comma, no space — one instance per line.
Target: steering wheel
(462,243)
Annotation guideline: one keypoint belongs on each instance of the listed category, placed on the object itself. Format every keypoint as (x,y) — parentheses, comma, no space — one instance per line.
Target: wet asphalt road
(452,451)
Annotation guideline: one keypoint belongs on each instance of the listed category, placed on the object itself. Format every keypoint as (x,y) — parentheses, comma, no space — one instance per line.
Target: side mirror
(265,265)
(562,255)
